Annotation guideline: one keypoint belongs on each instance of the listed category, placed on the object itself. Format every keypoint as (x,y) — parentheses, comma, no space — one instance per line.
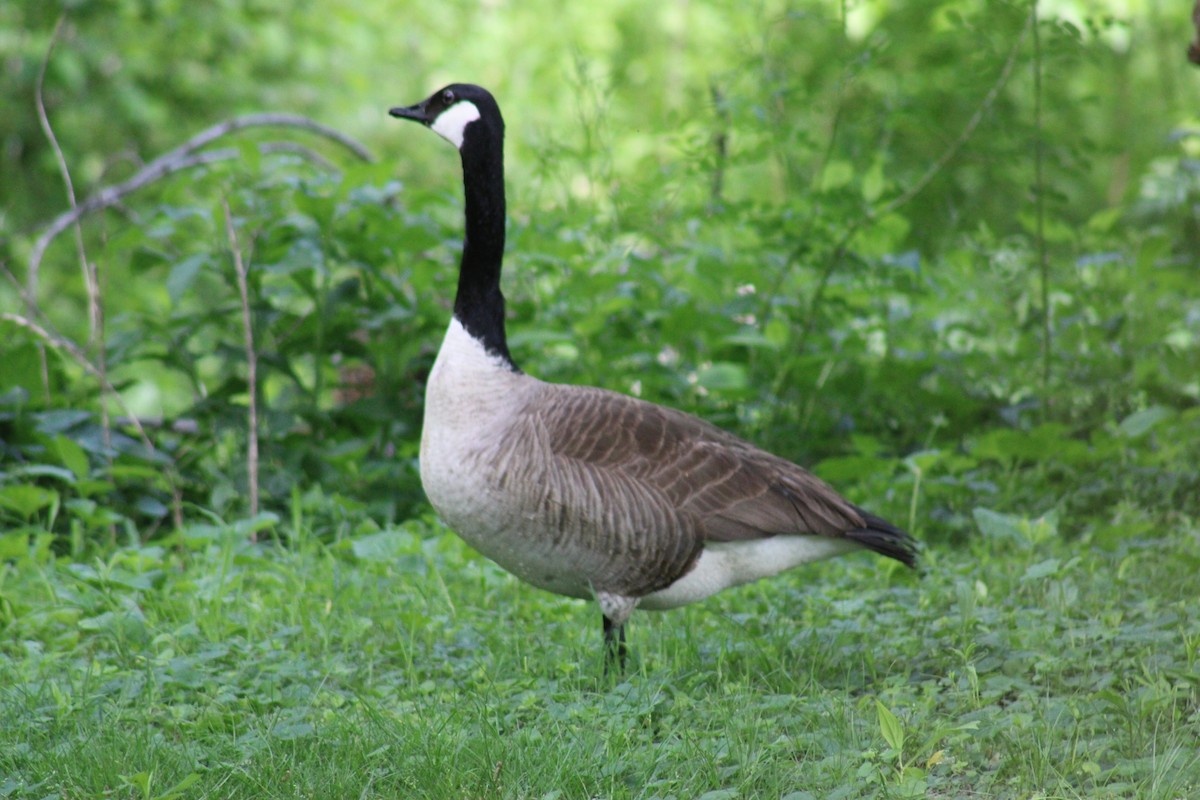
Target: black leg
(614,646)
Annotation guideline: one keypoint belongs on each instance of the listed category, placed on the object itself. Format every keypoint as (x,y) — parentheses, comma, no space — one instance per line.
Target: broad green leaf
(924,460)
(13,545)
(778,332)
(845,469)
(1139,423)
(151,506)
(90,487)
(873,182)
(60,420)
(1017,528)
(1042,528)
(42,471)
(135,471)
(71,456)
(99,622)
(180,789)
(259,522)
(890,727)
(139,781)
(998,526)
(20,361)
(884,236)
(25,499)
(1004,444)
(1102,221)
(183,275)
(1042,569)
(1154,248)
(865,444)
(723,376)
(381,546)
(1053,229)
(91,513)
(837,173)
(144,259)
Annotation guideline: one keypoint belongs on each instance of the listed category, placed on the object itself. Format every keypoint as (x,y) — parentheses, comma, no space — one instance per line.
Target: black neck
(479,305)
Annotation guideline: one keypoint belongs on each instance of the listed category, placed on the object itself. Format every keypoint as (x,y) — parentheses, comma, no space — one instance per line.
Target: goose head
(458,113)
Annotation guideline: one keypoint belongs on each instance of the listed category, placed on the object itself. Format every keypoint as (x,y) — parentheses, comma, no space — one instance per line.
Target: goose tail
(885,538)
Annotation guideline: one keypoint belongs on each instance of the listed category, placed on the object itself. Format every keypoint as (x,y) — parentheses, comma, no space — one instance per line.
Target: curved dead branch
(186,156)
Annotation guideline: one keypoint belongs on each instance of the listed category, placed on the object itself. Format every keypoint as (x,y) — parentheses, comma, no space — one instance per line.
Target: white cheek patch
(452,122)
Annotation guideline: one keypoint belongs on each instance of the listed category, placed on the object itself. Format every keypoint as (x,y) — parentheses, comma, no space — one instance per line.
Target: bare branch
(183,157)
(251,360)
(266,120)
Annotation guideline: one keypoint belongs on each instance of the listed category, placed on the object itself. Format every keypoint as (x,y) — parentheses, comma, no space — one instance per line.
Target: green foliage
(325,297)
(396,662)
(819,225)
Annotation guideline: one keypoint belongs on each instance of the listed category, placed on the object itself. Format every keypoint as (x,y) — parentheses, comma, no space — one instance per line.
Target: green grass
(398,663)
(848,270)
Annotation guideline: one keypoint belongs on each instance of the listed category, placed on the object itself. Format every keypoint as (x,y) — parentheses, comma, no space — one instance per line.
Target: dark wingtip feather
(886,539)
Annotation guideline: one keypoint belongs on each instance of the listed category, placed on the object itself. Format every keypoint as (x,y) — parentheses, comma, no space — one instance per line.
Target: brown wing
(641,476)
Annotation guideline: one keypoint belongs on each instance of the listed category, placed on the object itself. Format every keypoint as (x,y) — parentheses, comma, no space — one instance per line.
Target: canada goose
(587,492)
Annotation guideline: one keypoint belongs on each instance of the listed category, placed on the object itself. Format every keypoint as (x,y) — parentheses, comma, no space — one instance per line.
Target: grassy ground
(400,664)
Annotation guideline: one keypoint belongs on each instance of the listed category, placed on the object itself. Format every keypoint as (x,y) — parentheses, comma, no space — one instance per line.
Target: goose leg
(614,645)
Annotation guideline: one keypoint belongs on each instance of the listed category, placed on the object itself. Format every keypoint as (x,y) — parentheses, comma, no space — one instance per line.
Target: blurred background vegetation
(946,252)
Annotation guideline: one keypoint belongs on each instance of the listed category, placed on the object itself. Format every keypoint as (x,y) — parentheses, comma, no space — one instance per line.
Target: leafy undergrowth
(397,663)
(959,294)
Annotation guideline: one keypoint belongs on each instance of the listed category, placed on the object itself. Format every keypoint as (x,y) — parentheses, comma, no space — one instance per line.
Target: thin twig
(912,191)
(720,144)
(818,170)
(831,265)
(251,360)
(968,130)
(872,214)
(89,278)
(1194,48)
(183,157)
(1039,200)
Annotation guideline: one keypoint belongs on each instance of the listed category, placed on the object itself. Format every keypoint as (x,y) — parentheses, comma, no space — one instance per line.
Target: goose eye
(447,97)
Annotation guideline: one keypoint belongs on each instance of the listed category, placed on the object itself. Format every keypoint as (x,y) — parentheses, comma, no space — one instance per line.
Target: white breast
(471,402)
